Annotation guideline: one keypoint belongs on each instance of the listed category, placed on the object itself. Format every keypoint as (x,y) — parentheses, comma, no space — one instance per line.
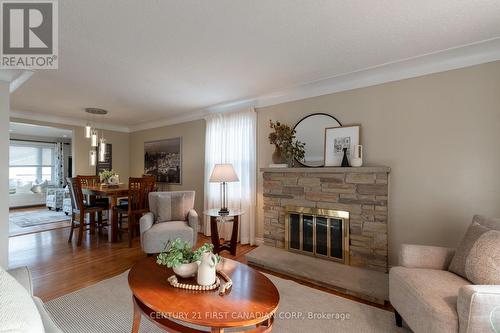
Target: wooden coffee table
(252,300)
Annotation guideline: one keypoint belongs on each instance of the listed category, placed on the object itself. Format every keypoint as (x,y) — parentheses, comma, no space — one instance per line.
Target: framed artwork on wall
(338,138)
(163,159)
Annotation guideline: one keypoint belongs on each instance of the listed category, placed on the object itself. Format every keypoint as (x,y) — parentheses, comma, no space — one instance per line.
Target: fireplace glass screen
(318,232)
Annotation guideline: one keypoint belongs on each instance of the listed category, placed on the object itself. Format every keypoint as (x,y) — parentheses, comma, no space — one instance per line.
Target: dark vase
(345,161)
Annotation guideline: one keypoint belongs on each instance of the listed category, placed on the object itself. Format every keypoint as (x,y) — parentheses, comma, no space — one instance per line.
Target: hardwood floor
(59,267)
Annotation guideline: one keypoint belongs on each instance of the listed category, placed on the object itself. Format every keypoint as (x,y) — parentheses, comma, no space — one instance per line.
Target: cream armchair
(432,299)
(171,216)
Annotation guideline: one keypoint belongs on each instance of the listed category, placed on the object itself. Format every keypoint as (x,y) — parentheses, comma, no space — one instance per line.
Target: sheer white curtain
(231,138)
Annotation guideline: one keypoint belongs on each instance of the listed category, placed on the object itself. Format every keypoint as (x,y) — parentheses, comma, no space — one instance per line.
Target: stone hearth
(363,192)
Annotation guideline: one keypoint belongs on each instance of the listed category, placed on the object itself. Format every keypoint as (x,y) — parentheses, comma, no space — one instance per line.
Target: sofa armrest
(194,223)
(146,222)
(475,306)
(422,256)
(23,276)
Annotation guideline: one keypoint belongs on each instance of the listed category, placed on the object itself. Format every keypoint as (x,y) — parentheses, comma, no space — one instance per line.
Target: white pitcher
(357,156)
(206,269)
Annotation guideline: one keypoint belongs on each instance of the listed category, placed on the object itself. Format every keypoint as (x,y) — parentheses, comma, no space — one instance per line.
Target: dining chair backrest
(75,192)
(88,181)
(153,179)
(138,194)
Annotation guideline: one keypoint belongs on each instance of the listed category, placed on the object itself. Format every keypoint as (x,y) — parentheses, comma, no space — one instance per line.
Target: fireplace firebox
(318,232)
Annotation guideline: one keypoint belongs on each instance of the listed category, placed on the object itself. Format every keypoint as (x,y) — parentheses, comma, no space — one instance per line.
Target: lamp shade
(223,173)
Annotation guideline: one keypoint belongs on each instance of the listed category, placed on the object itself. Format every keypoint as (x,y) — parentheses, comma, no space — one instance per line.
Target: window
(31,161)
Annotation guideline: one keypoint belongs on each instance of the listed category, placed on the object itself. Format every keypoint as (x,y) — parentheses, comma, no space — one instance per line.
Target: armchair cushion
(426,298)
(483,262)
(421,256)
(171,206)
(155,238)
(475,306)
(473,233)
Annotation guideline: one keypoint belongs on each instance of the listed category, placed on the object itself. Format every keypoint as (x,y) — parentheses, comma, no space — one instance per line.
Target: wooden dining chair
(138,204)
(80,208)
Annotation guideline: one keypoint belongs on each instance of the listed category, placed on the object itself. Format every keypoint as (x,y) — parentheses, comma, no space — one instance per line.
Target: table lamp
(223,173)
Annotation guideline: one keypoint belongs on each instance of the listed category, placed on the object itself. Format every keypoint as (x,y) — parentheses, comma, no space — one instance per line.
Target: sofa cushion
(482,265)
(488,222)
(426,298)
(18,310)
(457,264)
(154,239)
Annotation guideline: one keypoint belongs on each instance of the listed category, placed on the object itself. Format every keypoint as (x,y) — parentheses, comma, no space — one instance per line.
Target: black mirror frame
(310,115)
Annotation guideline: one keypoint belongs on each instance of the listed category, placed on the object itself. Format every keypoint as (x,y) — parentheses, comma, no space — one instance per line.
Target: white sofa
(431,299)
(20,310)
(20,194)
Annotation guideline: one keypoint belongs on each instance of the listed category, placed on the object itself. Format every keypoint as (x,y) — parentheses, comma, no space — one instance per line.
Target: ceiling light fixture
(91,132)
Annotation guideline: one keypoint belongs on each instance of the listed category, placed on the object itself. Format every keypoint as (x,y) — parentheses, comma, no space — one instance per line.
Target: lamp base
(223,211)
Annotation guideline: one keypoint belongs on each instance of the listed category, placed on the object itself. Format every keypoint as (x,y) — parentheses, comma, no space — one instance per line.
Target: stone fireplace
(333,213)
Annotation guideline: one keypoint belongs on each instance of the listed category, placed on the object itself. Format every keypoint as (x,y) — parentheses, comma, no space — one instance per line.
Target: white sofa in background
(432,299)
(20,310)
(21,194)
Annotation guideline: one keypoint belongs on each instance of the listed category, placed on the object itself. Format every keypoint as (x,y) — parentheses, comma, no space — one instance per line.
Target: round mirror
(311,131)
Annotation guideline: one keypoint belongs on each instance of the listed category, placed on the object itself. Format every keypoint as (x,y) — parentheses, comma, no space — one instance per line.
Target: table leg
(215,234)
(137,317)
(113,220)
(234,235)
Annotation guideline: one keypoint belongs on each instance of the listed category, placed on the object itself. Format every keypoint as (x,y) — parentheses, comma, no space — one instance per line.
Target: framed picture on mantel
(338,138)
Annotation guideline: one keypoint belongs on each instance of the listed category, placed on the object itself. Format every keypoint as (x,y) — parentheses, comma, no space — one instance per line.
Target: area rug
(25,222)
(37,217)
(107,307)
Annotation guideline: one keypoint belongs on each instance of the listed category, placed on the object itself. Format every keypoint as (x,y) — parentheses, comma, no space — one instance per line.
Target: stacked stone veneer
(363,192)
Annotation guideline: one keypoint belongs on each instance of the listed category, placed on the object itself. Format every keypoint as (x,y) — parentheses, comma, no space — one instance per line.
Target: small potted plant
(180,256)
(287,148)
(109,177)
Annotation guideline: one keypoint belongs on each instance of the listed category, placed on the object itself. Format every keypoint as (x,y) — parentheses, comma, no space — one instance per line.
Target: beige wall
(439,133)
(81,147)
(193,155)
(4,173)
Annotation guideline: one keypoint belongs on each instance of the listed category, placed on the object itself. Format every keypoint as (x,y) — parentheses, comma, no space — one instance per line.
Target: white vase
(186,270)
(206,269)
(357,157)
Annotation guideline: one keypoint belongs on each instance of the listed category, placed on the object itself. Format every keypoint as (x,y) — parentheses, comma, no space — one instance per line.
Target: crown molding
(15,77)
(449,59)
(26,115)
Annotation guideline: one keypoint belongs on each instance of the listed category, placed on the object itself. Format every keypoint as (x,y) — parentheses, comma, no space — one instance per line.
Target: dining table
(113,193)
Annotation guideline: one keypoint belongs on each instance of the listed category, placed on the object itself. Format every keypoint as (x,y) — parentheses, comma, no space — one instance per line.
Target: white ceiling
(146,61)
(39,131)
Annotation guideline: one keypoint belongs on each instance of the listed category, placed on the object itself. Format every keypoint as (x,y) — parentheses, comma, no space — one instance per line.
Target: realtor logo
(29,34)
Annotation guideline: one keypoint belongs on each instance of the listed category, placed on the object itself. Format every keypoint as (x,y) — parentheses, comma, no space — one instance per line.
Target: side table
(215,217)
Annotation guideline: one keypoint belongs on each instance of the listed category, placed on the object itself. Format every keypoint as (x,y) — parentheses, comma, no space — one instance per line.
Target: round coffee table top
(251,299)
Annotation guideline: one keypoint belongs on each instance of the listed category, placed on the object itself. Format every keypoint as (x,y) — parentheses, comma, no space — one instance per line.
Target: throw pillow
(483,262)
(457,265)
(18,310)
(171,207)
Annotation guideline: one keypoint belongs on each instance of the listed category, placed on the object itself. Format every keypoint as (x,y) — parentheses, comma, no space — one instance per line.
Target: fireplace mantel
(365,169)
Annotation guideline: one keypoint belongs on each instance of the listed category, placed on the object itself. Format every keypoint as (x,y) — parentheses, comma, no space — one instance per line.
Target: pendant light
(94,139)
(92,157)
(102,149)
(88,131)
